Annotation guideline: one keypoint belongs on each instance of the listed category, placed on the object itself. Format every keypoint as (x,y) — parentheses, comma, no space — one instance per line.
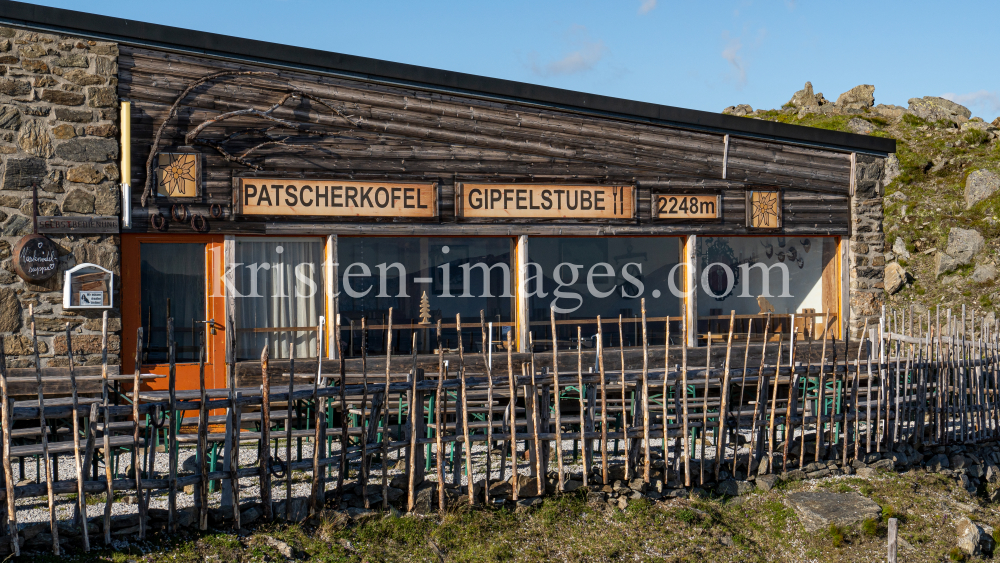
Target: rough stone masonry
(59,130)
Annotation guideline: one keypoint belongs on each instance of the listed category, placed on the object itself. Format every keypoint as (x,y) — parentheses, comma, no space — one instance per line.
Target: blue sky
(701,55)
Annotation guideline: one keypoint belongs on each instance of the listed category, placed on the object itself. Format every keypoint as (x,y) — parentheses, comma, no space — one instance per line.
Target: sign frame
(778,205)
(519,194)
(79,224)
(433,188)
(715,195)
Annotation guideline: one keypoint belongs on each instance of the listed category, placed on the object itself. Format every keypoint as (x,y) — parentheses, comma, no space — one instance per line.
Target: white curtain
(280,285)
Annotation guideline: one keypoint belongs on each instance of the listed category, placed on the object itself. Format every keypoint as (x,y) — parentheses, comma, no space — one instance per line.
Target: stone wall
(59,130)
(866,258)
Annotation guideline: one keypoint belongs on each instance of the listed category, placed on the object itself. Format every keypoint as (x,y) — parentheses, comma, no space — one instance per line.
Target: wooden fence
(768,406)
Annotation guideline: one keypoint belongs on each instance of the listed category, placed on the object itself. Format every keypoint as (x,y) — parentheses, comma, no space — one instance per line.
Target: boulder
(860,126)
(933,108)
(938,462)
(890,111)
(767,482)
(818,509)
(992,473)
(734,488)
(944,263)
(899,248)
(739,110)
(892,170)
(964,244)
(867,473)
(984,273)
(973,538)
(859,97)
(980,185)
(895,277)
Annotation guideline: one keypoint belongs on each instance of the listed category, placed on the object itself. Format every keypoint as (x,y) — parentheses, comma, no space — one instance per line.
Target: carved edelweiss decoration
(177,175)
(765,210)
(266,136)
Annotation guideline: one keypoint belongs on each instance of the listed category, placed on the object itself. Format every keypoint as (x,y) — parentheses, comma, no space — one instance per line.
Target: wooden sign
(508,201)
(335,198)
(88,286)
(687,206)
(178,175)
(764,209)
(90,225)
(35,258)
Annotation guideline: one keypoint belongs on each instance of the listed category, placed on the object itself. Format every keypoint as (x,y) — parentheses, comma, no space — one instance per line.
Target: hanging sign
(35,258)
(88,286)
(335,198)
(508,201)
(89,225)
(687,206)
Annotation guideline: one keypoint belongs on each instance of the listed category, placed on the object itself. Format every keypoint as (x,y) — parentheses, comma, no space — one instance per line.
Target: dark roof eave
(123,30)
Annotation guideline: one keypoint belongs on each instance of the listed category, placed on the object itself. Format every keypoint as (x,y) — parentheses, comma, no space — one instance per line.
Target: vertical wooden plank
(739,405)
(664,408)
(234,455)
(556,388)
(802,423)
(290,404)
(332,279)
(439,421)
(821,392)
(229,256)
(532,407)
(625,417)
(135,433)
(470,476)
(264,457)
(487,356)
(771,435)
(414,414)
(8,473)
(316,500)
(760,405)
(108,454)
(691,295)
(81,495)
(646,459)
(363,472)
(385,416)
(514,477)
(685,435)
(584,441)
(172,429)
(704,410)
(202,439)
(342,467)
(720,447)
(604,403)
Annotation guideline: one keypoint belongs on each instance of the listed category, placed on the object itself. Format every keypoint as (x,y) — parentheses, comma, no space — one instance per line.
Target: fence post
(893,530)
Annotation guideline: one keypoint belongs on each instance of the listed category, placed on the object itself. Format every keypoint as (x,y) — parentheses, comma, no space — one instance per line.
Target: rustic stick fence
(906,382)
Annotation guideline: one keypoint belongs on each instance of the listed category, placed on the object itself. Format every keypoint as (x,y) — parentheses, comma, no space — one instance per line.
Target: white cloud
(647,6)
(585,54)
(983,99)
(732,54)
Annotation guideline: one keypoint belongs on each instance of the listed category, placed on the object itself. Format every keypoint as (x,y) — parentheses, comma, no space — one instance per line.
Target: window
(172,278)
(279,296)
(423,279)
(581,278)
(755,275)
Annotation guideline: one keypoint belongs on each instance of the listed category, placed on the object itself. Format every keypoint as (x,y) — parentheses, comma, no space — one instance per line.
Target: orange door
(178,277)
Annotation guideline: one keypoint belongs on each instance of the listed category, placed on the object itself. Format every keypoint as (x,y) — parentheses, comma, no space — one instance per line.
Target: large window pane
(172,278)
(582,278)
(279,285)
(754,275)
(458,275)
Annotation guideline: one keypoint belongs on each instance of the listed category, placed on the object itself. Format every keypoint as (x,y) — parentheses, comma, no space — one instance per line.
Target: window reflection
(172,282)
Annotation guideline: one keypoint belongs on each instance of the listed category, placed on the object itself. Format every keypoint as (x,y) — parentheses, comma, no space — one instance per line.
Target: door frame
(215,307)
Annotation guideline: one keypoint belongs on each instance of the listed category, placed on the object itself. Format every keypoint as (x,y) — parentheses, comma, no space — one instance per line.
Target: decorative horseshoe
(179,212)
(201,227)
(159,222)
(215,210)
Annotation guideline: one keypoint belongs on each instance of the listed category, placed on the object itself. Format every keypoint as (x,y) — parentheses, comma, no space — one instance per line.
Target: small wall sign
(178,175)
(687,206)
(36,258)
(90,225)
(510,201)
(764,209)
(88,286)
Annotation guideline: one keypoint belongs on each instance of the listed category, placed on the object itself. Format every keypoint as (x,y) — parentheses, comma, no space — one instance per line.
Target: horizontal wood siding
(390,133)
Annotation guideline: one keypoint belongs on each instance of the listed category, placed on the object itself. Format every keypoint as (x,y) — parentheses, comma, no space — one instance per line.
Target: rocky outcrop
(974,539)
(817,510)
(933,108)
(857,98)
(964,244)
